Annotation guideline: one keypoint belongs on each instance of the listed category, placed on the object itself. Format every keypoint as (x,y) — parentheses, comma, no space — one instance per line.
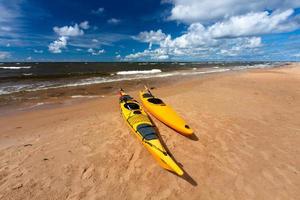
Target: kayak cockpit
(156,101)
(132,106)
(147,132)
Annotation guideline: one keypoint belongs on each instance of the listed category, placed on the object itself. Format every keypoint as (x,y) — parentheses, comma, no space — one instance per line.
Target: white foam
(14,67)
(28,74)
(152,71)
(84,96)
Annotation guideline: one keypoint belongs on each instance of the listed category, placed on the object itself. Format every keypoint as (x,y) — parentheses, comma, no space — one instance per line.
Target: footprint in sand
(87,172)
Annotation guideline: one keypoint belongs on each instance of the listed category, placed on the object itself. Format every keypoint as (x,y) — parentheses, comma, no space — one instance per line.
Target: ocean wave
(152,71)
(256,66)
(118,77)
(85,96)
(15,67)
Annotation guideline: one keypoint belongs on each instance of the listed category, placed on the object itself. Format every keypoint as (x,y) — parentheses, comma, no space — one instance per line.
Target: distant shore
(247,125)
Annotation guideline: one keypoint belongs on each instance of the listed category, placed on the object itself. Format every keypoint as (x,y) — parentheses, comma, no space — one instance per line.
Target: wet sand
(247,127)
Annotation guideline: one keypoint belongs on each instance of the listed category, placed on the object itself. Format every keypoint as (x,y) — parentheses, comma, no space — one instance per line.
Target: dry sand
(247,126)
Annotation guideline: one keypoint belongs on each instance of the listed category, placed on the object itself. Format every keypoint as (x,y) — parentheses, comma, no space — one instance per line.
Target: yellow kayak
(142,127)
(164,113)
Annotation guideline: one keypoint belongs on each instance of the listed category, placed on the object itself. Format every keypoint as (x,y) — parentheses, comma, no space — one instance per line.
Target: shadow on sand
(185,176)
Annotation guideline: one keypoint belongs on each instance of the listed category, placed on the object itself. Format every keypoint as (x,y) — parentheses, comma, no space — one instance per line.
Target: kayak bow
(164,112)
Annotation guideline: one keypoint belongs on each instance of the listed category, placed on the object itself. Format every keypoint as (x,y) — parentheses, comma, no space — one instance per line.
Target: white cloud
(113,21)
(254,24)
(253,42)
(157,54)
(57,45)
(95,52)
(4,55)
(233,36)
(68,30)
(98,11)
(65,33)
(29,58)
(118,57)
(190,11)
(84,25)
(151,37)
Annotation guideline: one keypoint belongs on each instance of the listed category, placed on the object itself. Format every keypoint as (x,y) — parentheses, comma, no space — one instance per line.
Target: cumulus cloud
(65,33)
(113,21)
(156,54)
(57,45)
(254,24)
(4,55)
(190,11)
(230,37)
(186,46)
(95,52)
(151,37)
(68,30)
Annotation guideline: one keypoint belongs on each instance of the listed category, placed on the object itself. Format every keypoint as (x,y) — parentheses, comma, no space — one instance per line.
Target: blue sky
(149,30)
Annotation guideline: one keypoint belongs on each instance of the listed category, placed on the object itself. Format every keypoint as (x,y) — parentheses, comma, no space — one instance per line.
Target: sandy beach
(246,145)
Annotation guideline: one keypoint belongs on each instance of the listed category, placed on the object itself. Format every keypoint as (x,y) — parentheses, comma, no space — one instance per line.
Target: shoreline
(246,122)
(66,95)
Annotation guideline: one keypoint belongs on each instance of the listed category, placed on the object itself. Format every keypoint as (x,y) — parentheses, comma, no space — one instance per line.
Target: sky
(149,30)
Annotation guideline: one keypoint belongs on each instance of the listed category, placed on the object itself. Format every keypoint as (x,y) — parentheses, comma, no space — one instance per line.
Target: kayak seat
(125,98)
(155,101)
(147,131)
(147,95)
(132,106)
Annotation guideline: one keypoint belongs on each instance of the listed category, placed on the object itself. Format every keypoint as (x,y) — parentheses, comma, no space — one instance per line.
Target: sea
(27,77)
